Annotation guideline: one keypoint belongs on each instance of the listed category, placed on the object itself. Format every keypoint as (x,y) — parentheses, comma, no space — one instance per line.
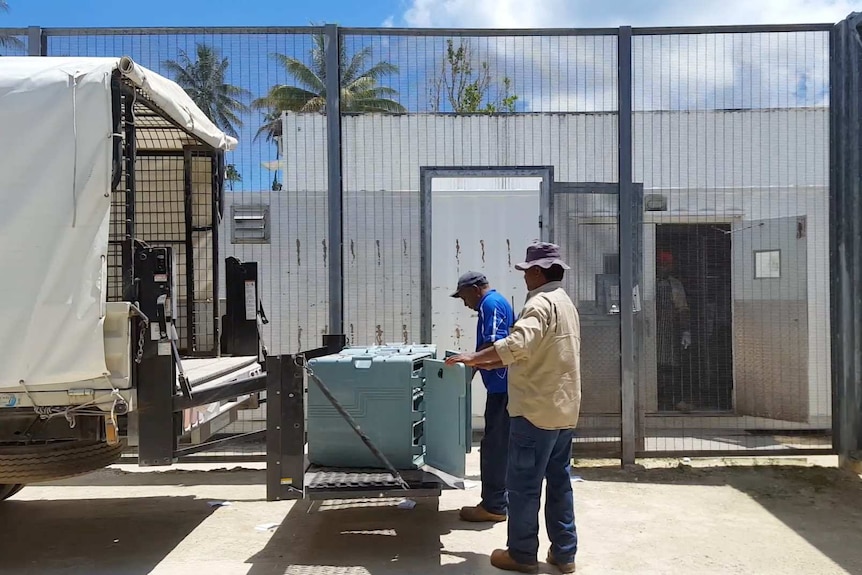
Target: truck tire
(7,491)
(48,462)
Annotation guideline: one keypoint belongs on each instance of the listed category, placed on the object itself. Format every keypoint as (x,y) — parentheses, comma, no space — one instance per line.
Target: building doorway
(694,347)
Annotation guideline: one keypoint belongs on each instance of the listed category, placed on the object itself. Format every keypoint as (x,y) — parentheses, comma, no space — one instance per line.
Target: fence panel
(730,150)
(471,101)
(731,144)
(14,42)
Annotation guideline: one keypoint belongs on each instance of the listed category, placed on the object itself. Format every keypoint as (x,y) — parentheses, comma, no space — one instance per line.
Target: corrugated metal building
(740,197)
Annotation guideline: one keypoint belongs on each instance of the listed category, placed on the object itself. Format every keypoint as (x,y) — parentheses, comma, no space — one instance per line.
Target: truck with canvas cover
(110,204)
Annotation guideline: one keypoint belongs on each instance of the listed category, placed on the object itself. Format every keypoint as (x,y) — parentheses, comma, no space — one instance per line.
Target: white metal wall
(712,166)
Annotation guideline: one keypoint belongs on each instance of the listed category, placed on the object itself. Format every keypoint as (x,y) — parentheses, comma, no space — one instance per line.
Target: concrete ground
(699,519)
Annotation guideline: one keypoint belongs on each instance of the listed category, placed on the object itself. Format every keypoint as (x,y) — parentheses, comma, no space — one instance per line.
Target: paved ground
(693,520)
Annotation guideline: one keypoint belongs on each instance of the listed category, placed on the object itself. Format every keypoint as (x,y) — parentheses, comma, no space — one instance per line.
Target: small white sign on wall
(767,264)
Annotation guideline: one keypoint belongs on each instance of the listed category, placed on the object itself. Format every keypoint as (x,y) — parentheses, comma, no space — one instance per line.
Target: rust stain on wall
(379,334)
(482,244)
(352,333)
(405,247)
(323,242)
(299,337)
(298,248)
(458,251)
(352,251)
(379,258)
(509,251)
(404,333)
(458,336)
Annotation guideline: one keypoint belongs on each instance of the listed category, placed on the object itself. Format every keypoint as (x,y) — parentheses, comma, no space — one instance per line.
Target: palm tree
(360,91)
(204,81)
(231,175)
(271,128)
(7,40)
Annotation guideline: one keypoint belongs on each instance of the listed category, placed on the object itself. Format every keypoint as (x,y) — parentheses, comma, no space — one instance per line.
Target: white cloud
(570,74)
(612,13)
(389,22)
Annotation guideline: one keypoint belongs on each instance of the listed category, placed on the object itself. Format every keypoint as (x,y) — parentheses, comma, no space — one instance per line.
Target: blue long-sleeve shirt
(496,318)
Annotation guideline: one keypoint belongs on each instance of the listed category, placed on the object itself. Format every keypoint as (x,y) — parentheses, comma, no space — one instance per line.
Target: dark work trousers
(494,454)
(672,387)
(537,456)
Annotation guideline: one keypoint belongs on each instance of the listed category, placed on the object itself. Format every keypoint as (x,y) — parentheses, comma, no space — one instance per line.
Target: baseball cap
(469,279)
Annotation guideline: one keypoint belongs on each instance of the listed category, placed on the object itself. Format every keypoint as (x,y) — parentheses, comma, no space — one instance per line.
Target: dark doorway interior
(694,259)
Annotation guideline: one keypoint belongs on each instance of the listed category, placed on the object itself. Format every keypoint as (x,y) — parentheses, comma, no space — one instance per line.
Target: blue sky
(558,75)
(109,13)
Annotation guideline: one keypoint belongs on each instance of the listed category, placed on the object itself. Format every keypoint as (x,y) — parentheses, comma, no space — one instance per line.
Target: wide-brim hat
(543,255)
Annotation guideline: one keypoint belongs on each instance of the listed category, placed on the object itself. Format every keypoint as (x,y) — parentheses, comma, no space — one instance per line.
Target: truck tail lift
(164,398)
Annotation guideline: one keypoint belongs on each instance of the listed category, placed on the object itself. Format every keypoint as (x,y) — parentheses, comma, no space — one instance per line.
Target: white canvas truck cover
(55,155)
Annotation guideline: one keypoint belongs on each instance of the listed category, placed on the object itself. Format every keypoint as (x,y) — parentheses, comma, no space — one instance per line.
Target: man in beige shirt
(543,355)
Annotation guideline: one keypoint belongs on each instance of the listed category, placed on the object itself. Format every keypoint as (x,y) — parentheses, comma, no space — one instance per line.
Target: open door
(448,428)
(478,219)
(770,318)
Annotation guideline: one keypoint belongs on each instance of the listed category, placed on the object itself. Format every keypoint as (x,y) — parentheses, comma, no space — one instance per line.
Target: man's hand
(686,339)
(467,359)
(487,356)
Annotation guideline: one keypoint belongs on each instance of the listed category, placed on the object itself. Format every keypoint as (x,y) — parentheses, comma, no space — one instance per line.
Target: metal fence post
(37,42)
(336,195)
(627,249)
(845,261)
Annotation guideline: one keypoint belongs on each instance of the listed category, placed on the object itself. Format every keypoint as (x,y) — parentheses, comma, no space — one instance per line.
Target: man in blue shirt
(496,318)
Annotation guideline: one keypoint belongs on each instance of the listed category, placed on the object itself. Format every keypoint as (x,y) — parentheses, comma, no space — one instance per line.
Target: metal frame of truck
(164,175)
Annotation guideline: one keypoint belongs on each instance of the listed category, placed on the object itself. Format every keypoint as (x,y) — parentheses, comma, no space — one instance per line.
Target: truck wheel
(7,491)
(22,464)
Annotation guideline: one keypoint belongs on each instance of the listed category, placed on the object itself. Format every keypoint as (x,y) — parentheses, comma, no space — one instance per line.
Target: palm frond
(351,71)
(304,75)
(7,41)
(379,105)
(380,70)
(316,104)
(287,98)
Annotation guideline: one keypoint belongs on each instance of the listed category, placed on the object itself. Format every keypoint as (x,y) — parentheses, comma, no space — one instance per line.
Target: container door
(448,428)
(770,318)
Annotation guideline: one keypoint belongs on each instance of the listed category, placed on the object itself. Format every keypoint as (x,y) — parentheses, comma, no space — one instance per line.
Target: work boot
(479,514)
(563,567)
(501,559)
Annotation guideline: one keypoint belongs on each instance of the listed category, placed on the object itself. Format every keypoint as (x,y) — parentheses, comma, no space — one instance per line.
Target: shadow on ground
(174,477)
(95,536)
(355,538)
(823,505)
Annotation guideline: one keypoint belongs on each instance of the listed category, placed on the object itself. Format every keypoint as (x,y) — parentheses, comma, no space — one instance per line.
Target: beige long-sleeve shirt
(543,355)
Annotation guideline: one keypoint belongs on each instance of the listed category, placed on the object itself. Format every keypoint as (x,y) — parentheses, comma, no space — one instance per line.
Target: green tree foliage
(360,87)
(7,40)
(204,79)
(467,88)
(231,176)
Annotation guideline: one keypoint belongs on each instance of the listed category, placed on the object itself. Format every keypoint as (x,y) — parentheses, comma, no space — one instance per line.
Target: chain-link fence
(683,172)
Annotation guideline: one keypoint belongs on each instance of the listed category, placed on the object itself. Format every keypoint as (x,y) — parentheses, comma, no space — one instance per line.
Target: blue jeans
(536,455)
(494,452)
